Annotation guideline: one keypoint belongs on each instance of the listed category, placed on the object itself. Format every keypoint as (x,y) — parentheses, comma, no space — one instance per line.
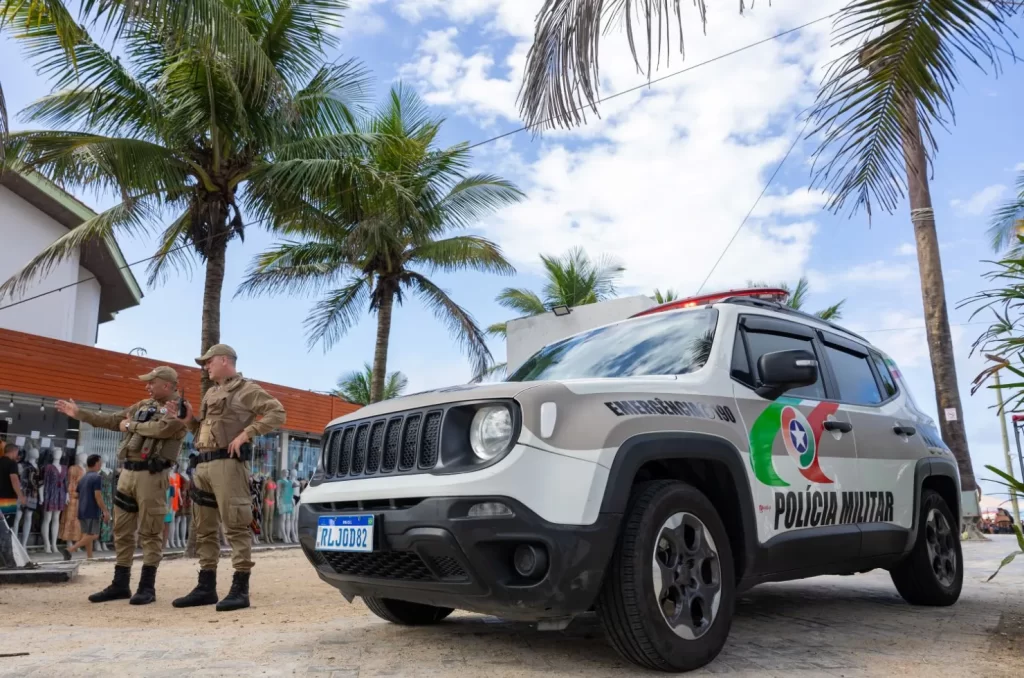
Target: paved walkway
(828,626)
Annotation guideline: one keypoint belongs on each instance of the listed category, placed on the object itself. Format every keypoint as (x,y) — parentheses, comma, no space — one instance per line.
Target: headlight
(490,432)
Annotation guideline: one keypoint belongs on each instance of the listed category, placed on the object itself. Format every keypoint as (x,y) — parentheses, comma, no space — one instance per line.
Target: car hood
(441,396)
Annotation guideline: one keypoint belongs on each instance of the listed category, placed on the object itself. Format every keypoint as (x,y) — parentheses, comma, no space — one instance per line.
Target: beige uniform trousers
(146,493)
(228,481)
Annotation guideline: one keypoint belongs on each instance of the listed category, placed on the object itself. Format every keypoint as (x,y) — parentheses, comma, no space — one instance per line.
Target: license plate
(345,533)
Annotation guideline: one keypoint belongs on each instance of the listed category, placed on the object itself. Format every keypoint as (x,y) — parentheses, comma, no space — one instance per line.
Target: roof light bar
(776,294)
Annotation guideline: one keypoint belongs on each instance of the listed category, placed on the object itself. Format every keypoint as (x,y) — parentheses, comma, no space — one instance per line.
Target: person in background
(10,485)
(91,507)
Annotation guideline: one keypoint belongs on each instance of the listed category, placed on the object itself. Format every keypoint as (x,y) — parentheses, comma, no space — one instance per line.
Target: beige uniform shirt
(162,434)
(233,407)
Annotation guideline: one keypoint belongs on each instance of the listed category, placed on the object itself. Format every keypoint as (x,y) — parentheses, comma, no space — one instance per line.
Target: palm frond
(522,301)
(475,197)
(1008,220)
(294,268)
(173,251)
(498,330)
(888,84)
(132,217)
(123,165)
(666,296)
(337,312)
(459,322)
(332,100)
(211,26)
(295,34)
(798,295)
(460,253)
(562,76)
(355,386)
(833,312)
(4,128)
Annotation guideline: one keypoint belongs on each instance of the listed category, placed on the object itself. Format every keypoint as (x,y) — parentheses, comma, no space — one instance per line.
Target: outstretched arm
(106,420)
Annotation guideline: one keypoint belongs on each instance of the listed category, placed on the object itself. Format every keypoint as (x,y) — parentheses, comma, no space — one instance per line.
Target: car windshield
(662,344)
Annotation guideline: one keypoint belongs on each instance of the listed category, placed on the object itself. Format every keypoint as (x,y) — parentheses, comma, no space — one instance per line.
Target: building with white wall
(34,213)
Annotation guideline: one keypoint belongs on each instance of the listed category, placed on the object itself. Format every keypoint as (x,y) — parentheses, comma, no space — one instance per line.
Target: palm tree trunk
(211,300)
(380,351)
(933,294)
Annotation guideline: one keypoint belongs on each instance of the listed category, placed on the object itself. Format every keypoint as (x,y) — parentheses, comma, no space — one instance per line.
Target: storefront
(36,371)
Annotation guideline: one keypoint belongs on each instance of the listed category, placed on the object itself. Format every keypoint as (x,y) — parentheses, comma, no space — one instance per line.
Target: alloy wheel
(939,540)
(687,575)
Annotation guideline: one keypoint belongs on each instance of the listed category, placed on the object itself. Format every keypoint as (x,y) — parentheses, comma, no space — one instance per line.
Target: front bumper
(428,551)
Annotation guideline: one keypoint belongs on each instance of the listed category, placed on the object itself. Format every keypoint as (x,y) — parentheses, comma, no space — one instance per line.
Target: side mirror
(782,371)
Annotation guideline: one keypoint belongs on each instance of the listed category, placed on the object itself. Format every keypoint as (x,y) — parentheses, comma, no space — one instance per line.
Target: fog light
(489,509)
(530,561)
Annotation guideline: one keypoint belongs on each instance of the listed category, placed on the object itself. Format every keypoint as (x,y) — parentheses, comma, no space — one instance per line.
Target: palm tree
(210,109)
(666,296)
(798,296)
(356,385)
(372,262)
(573,279)
(1008,222)
(875,113)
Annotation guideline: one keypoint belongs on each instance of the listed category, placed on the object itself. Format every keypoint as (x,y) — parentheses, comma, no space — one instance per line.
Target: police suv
(649,470)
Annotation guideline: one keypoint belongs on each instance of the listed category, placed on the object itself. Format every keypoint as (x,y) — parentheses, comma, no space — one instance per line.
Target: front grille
(397,565)
(402,443)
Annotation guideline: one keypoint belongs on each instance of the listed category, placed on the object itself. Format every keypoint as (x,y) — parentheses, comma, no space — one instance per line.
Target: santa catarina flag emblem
(801,436)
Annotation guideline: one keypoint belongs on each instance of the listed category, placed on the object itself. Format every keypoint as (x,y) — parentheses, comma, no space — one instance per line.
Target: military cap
(163,372)
(216,349)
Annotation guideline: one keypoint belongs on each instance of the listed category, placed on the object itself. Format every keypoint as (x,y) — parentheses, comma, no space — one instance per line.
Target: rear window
(659,344)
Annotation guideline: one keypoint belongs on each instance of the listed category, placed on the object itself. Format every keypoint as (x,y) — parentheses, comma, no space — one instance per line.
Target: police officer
(153,434)
(226,424)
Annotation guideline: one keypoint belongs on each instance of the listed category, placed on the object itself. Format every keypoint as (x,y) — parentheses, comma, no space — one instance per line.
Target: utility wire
(764,190)
(119,268)
(502,136)
(658,80)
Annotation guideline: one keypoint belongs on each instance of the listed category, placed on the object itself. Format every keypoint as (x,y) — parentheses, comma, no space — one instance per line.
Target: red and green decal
(801,436)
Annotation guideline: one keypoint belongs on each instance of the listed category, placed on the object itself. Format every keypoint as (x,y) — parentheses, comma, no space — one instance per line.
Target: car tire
(406,613)
(933,573)
(684,625)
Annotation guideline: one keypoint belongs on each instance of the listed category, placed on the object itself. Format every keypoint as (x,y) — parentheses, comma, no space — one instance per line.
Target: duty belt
(244,455)
(141,465)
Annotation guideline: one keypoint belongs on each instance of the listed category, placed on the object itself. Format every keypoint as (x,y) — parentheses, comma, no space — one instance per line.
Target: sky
(661,180)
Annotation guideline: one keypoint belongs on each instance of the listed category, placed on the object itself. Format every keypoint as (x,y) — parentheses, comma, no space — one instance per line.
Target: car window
(888,383)
(763,342)
(659,344)
(740,363)
(854,377)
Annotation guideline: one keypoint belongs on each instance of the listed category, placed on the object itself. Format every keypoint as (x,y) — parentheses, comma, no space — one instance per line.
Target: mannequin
(70,529)
(54,497)
(106,527)
(30,481)
(256,490)
(286,507)
(173,507)
(181,519)
(269,507)
(296,489)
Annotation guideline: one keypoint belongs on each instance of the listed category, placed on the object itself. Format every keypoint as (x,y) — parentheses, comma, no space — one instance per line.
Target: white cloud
(980,202)
(361,17)
(879,272)
(907,249)
(667,174)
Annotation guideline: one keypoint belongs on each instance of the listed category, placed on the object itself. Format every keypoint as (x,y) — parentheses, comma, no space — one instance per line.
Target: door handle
(904,430)
(841,426)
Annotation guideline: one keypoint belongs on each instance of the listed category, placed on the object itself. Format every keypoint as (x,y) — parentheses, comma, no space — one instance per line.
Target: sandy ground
(828,626)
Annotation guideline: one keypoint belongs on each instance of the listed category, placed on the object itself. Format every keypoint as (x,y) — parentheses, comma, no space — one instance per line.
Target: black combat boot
(238,596)
(205,592)
(147,587)
(119,589)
